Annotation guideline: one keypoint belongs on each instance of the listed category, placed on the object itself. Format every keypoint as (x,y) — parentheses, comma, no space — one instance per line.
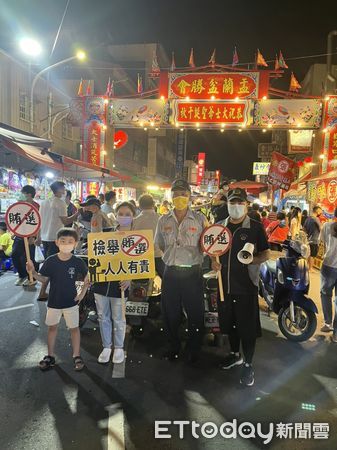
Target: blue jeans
(111,311)
(328,284)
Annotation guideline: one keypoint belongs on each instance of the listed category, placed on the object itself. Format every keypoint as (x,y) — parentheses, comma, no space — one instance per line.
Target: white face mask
(66,248)
(236,211)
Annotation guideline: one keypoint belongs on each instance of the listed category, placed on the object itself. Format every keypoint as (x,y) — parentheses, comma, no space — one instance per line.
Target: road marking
(16,307)
(116,438)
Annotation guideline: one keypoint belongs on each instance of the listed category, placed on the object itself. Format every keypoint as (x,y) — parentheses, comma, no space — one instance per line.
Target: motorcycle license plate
(136,308)
(211,320)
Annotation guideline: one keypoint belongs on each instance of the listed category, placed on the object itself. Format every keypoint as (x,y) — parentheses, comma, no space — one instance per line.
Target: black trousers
(183,288)
(19,257)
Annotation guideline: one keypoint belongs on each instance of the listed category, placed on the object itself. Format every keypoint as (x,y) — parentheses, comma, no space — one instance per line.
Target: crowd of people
(178,256)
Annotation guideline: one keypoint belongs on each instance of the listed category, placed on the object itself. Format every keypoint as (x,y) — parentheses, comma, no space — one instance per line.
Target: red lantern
(120,139)
(300,163)
(308,159)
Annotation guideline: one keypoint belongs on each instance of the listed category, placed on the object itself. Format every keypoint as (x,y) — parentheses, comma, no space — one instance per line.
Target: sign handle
(30,275)
(222,297)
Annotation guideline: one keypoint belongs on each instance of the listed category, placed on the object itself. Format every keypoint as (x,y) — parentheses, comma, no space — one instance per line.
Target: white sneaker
(104,357)
(28,283)
(118,356)
(20,281)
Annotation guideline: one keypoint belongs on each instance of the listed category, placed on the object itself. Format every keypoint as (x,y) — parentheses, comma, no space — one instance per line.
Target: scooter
(143,303)
(284,285)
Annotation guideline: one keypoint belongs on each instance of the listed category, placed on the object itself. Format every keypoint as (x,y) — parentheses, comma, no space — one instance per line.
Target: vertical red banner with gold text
(201,167)
(94,143)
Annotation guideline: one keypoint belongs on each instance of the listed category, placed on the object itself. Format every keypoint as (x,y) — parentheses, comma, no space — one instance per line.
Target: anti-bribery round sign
(216,240)
(23,219)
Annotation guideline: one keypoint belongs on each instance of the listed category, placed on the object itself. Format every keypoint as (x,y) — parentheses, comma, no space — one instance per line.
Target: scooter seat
(271,264)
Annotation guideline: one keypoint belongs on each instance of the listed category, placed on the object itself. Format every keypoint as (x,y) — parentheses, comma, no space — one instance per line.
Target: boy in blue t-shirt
(64,271)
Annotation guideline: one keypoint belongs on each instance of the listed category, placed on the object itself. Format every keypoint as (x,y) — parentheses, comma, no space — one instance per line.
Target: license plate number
(211,320)
(136,308)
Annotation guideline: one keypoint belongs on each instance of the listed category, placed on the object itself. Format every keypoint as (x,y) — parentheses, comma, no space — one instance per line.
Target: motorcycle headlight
(280,277)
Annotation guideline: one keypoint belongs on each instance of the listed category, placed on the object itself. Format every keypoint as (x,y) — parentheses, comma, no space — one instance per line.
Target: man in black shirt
(239,312)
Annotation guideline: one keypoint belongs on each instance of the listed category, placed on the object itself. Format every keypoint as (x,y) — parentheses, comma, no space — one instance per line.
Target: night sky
(297,28)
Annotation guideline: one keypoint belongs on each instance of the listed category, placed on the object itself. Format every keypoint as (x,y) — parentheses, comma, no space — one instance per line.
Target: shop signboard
(300,141)
(282,171)
(133,113)
(225,86)
(265,150)
(292,113)
(201,167)
(330,136)
(210,113)
(261,168)
(324,193)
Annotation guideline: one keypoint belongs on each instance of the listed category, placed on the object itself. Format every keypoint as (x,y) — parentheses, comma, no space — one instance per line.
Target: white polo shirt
(51,211)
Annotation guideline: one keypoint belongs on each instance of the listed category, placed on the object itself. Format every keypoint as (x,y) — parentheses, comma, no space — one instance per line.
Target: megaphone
(245,256)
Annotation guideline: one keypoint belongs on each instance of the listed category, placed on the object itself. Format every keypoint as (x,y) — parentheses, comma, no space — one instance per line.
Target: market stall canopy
(296,184)
(15,146)
(251,186)
(325,176)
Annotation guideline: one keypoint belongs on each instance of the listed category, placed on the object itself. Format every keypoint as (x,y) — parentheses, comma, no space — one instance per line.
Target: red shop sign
(226,86)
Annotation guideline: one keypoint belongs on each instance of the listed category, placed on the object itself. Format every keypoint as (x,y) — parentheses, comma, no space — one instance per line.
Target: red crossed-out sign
(216,240)
(135,245)
(23,219)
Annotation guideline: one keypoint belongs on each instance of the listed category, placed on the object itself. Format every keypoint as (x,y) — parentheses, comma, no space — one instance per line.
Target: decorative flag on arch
(108,88)
(139,84)
(191,59)
(235,58)
(277,64)
(80,89)
(155,69)
(294,84)
(260,61)
(212,59)
(282,62)
(88,91)
(173,63)
(112,89)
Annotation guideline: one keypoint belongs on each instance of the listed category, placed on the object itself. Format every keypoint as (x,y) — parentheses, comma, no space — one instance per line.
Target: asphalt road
(106,407)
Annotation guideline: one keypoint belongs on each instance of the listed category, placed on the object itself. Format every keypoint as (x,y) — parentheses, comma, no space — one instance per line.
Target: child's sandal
(78,363)
(47,363)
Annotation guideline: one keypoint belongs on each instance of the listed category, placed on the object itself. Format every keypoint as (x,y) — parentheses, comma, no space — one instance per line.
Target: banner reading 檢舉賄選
(120,255)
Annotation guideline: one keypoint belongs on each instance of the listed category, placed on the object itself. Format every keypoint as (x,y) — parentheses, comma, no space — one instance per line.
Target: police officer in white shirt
(178,237)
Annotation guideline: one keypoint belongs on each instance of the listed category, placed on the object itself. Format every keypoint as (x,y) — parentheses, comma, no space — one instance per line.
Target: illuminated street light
(80,55)
(30,47)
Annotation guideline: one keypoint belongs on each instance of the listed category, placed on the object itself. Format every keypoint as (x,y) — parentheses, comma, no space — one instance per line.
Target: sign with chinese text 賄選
(216,240)
(120,255)
(23,219)
(94,130)
(261,168)
(282,171)
(212,112)
(224,86)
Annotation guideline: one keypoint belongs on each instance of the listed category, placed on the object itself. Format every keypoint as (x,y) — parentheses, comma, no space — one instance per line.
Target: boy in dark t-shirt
(63,270)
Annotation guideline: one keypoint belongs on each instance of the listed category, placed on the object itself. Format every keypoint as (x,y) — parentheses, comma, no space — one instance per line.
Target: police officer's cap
(180,185)
(91,202)
(237,194)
